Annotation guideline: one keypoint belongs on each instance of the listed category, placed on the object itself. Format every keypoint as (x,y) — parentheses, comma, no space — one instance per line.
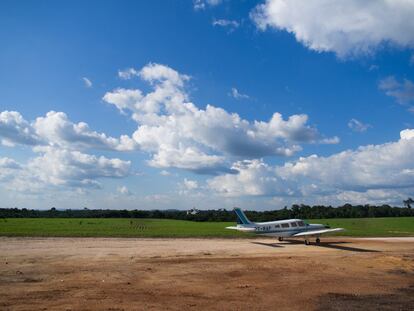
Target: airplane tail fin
(242,217)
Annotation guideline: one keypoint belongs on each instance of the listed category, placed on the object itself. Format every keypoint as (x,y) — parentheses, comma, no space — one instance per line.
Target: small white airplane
(282,228)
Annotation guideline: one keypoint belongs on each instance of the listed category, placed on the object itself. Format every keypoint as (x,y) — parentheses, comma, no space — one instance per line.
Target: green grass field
(381,227)
(113,227)
(122,227)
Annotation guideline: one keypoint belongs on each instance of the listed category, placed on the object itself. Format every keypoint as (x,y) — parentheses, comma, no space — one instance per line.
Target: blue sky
(337,77)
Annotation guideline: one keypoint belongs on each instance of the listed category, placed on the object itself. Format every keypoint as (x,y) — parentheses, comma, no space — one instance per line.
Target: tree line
(295,211)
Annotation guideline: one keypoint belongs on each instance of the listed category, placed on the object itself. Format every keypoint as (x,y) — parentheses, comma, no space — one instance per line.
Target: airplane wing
(248,229)
(317,232)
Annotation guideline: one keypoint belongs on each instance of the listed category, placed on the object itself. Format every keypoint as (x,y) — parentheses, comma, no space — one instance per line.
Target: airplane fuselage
(282,228)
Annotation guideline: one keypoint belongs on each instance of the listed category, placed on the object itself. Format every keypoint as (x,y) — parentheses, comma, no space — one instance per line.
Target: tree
(408,202)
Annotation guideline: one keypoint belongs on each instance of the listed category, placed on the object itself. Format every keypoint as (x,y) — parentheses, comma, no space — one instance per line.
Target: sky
(206,103)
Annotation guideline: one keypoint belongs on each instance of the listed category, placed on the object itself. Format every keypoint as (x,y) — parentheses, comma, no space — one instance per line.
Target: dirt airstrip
(208,274)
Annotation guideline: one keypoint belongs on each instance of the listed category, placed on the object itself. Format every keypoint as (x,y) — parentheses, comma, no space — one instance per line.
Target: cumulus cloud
(189,159)
(237,95)
(358,126)
(407,134)
(55,129)
(127,73)
(7,163)
(87,82)
(191,189)
(8,168)
(190,184)
(58,144)
(373,68)
(124,190)
(61,167)
(387,167)
(14,129)
(254,178)
(123,99)
(403,92)
(330,141)
(179,134)
(231,25)
(351,27)
(203,4)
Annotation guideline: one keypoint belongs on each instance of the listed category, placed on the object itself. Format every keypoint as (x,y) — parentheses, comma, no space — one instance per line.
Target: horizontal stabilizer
(317,232)
(248,229)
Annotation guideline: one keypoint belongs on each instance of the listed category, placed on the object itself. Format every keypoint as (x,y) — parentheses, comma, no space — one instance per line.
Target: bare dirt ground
(206,274)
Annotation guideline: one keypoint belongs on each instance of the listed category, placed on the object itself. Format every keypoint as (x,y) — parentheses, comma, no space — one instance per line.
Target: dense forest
(295,211)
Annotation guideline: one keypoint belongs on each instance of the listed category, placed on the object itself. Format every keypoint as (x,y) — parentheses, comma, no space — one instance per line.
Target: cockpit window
(293,224)
(301,224)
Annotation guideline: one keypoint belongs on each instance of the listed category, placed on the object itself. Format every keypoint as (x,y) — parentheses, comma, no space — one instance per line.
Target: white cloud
(57,142)
(165,173)
(127,73)
(179,134)
(203,4)
(124,190)
(349,27)
(87,82)
(255,178)
(358,126)
(14,129)
(330,141)
(8,169)
(62,169)
(55,129)
(231,25)
(7,163)
(237,95)
(191,189)
(190,184)
(166,76)
(388,168)
(189,159)
(373,68)
(403,92)
(123,99)
(407,134)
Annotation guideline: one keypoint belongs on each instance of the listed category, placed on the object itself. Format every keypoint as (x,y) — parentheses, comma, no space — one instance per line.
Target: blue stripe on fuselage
(291,230)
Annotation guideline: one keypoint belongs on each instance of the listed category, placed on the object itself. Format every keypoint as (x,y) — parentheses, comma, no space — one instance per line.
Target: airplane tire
(318,240)
(307,242)
(280,239)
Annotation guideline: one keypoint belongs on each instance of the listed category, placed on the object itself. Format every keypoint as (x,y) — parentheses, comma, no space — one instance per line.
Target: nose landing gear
(280,239)
(318,240)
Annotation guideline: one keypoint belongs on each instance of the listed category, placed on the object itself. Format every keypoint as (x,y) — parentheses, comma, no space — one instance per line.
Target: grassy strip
(127,227)
(114,227)
(371,227)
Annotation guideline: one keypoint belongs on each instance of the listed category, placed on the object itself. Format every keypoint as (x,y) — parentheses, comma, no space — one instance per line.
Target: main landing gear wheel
(318,240)
(280,239)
